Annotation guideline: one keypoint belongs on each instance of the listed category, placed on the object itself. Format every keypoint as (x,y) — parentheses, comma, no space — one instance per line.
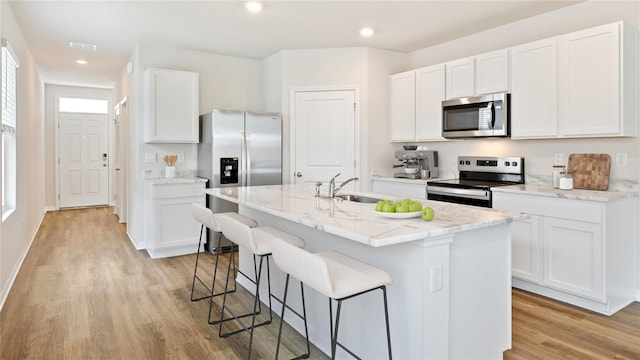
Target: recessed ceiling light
(366,31)
(254,6)
(82,61)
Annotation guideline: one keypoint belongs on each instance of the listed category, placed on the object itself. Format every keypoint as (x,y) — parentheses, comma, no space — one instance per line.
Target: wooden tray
(590,171)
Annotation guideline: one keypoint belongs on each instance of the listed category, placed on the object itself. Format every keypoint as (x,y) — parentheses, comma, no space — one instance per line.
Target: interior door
(325,123)
(84,163)
(119,162)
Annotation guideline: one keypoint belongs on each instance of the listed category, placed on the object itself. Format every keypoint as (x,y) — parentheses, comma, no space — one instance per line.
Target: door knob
(299,174)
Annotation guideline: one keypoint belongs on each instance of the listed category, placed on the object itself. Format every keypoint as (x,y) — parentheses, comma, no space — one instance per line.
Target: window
(87,106)
(9,69)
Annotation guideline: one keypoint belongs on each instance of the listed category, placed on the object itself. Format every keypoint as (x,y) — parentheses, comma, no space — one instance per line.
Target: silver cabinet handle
(299,174)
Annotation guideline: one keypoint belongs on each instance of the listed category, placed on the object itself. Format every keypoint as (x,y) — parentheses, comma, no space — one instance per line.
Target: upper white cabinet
(416,104)
(597,81)
(582,84)
(482,74)
(430,85)
(461,78)
(402,106)
(534,100)
(171,104)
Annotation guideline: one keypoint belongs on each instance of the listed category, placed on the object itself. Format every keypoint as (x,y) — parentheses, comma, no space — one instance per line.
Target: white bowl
(410,170)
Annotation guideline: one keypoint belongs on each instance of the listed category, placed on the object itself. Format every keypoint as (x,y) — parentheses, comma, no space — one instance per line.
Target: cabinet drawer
(162,191)
(581,210)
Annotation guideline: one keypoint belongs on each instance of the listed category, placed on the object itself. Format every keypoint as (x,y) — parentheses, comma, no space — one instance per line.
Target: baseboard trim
(14,272)
(136,244)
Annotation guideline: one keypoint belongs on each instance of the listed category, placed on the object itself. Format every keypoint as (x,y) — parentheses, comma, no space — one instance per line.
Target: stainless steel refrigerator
(238,148)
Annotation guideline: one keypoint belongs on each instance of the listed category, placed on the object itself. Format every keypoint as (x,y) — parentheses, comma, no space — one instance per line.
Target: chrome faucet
(334,190)
(332,186)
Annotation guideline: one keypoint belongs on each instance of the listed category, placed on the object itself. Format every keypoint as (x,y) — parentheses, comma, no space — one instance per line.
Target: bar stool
(257,241)
(207,219)
(334,275)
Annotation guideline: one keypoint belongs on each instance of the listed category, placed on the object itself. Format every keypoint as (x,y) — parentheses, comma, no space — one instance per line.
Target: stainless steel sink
(358,198)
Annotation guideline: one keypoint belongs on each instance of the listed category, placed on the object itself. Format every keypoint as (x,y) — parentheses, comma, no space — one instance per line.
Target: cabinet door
(525,249)
(573,260)
(171,99)
(429,96)
(534,108)
(492,72)
(403,106)
(589,74)
(460,78)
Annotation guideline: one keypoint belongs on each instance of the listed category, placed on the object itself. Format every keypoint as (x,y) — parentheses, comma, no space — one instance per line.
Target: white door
(84,162)
(119,163)
(324,138)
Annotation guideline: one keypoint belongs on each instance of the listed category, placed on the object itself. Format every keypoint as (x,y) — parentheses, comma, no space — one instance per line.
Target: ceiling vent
(83,46)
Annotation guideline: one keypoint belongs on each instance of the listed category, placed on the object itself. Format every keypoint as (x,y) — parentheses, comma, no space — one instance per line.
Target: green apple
(403,208)
(389,207)
(428,213)
(415,206)
(380,205)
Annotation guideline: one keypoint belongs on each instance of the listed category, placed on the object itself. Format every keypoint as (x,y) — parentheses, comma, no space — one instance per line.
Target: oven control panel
(506,164)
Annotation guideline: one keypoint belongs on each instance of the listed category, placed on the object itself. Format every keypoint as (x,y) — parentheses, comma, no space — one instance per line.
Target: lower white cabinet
(170,229)
(578,251)
(414,189)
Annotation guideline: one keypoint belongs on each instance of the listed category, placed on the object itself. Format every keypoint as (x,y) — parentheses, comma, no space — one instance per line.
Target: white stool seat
(207,218)
(349,276)
(337,276)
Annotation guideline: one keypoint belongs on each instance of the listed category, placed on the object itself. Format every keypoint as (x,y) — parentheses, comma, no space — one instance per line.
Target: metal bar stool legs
(303,317)
(210,290)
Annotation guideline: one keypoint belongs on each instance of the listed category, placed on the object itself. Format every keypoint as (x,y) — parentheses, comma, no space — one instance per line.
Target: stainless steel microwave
(479,116)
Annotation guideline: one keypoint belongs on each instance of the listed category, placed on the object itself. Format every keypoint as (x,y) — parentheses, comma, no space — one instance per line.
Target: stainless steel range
(478,174)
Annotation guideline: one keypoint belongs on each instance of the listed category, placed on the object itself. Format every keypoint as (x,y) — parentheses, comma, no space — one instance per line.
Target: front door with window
(84,163)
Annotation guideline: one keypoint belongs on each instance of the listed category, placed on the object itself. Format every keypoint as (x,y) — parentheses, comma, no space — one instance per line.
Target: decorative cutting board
(590,171)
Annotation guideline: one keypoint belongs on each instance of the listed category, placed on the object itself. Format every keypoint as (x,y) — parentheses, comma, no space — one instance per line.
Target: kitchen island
(451,291)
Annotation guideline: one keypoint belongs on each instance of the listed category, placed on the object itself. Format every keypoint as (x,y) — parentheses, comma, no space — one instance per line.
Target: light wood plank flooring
(84,292)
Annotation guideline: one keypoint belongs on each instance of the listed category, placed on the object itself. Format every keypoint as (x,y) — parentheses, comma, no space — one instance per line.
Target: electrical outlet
(181,157)
(150,157)
(558,159)
(621,159)
(436,278)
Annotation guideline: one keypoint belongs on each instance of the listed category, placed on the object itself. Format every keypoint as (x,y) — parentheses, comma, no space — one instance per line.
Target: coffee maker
(417,164)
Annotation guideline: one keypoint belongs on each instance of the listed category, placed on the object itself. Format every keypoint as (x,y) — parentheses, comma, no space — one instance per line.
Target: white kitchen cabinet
(171,106)
(414,189)
(597,81)
(481,74)
(416,104)
(534,100)
(577,251)
(430,92)
(170,229)
(581,84)
(573,257)
(525,249)
(492,72)
(461,78)
(402,106)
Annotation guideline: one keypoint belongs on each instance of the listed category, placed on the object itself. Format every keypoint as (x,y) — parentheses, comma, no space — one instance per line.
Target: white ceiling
(225,27)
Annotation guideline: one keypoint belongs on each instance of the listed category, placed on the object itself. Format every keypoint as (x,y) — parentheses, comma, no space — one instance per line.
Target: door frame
(292,125)
(120,192)
(56,116)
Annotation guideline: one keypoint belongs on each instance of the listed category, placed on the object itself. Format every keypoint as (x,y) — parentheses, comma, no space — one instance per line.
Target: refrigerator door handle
(247,158)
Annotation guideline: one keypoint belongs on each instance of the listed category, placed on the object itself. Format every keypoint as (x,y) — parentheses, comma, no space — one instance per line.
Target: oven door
(476,197)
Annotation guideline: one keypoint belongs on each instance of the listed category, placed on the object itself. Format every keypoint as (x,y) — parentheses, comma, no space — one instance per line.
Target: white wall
(18,230)
(363,68)
(225,83)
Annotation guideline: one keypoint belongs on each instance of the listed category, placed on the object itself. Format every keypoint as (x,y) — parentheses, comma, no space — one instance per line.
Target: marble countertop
(576,194)
(358,221)
(403,180)
(181,180)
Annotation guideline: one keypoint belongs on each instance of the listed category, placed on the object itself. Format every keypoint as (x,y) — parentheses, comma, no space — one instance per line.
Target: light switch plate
(150,157)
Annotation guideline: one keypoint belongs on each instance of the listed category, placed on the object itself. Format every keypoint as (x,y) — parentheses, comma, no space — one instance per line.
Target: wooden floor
(84,292)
